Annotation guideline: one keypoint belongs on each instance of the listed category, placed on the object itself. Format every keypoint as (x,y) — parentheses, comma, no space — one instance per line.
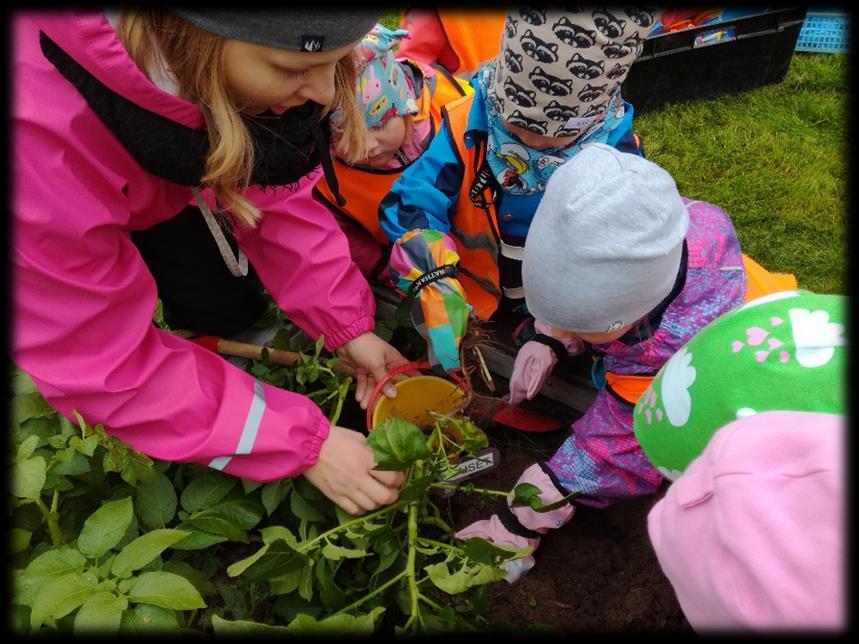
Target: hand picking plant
(401,557)
(107,540)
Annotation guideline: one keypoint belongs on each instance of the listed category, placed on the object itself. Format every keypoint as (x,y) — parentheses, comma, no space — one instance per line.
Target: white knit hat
(606,241)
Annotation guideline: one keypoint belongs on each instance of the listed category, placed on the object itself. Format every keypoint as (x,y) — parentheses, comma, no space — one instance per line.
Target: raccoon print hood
(558,71)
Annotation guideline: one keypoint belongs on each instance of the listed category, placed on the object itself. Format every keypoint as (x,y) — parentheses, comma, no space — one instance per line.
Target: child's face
(261,78)
(384,140)
(538,141)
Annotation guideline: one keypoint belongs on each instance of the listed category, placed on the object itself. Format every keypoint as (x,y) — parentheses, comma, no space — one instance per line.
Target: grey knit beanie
(293,29)
(606,241)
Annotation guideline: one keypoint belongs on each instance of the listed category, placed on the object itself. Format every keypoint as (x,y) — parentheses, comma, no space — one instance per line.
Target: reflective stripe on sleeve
(250,429)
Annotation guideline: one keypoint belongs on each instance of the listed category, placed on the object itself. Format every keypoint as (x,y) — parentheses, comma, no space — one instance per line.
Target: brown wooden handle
(254,352)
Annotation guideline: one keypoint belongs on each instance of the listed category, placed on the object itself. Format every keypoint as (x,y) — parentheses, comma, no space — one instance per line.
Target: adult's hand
(345,474)
(372,358)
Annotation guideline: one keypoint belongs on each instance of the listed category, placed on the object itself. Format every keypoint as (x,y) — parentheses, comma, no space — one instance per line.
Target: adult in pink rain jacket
(84,299)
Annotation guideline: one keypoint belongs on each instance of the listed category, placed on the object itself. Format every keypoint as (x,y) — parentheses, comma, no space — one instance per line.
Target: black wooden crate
(672,69)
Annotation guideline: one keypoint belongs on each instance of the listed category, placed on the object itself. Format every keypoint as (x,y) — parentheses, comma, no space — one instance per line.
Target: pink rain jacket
(84,299)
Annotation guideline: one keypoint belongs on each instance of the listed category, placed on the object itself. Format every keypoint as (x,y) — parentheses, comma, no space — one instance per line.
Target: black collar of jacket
(640,332)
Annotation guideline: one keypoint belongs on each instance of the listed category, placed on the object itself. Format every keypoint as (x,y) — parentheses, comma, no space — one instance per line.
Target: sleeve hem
(341,337)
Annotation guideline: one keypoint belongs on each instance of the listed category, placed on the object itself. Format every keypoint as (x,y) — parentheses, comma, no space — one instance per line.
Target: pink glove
(535,362)
(493,529)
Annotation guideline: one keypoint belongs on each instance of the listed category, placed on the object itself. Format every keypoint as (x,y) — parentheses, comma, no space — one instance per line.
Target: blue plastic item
(824,33)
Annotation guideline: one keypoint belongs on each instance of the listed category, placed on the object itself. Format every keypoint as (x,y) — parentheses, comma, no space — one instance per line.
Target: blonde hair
(353,141)
(195,60)
(352,146)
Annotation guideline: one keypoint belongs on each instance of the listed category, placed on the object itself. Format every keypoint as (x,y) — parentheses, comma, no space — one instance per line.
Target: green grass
(775,159)
(391,18)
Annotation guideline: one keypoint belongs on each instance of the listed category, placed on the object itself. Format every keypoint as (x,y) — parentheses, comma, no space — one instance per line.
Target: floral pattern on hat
(785,351)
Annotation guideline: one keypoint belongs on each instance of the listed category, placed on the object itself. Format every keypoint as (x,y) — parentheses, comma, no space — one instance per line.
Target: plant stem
(427,600)
(53,527)
(387,584)
(342,392)
(438,522)
(476,490)
(55,501)
(410,563)
(439,544)
(305,546)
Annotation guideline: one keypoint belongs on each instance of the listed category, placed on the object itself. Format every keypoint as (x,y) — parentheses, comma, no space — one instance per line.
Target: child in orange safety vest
(458,218)
(400,100)
(617,259)
(452,41)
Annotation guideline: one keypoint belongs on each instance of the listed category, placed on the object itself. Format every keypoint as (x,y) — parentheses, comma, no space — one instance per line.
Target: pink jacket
(84,299)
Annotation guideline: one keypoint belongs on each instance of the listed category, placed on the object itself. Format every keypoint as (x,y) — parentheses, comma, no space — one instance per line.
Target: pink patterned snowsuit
(601,458)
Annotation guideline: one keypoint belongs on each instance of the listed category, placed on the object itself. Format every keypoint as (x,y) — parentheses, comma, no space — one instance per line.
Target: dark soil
(597,573)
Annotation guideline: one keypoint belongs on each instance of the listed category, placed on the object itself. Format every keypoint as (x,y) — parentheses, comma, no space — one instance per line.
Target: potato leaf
(105,527)
(272,560)
(28,478)
(206,491)
(166,590)
(528,494)
(144,549)
(101,614)
(470,573)
(339,625)
(59,597)
(155,502)
(397,443)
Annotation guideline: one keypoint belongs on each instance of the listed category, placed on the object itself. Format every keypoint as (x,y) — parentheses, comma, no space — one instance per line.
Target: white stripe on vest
(516,293)
(512,252)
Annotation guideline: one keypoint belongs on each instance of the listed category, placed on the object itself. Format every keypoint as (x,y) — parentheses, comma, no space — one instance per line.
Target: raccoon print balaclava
(557,70)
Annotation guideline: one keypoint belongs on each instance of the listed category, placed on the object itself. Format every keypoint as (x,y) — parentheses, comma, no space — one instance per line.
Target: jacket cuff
(319,437)
(554,344)
(512,524)
(359,327)
(554,479)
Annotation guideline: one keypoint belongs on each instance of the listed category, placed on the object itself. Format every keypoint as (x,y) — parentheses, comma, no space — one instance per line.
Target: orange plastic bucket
(417,396)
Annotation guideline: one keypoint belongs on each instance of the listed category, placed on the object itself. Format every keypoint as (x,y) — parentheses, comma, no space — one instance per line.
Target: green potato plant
(106,540)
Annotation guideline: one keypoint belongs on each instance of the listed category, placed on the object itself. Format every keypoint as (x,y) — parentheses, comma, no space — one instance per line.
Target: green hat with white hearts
(785,351)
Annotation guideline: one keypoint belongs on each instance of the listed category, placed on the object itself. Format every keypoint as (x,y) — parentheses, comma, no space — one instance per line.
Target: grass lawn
(775,159)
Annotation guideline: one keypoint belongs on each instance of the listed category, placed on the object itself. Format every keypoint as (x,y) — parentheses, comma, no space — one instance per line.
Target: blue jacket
(427,192)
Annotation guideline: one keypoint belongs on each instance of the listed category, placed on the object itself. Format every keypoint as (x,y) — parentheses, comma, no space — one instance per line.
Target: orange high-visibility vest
(474,36)
(474,229)
(448,88)
(759,281)
(362,187)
